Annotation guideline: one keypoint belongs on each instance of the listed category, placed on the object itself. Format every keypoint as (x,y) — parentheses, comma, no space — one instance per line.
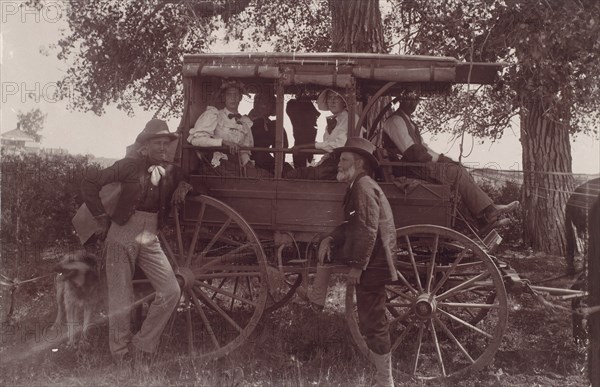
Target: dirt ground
(295,348)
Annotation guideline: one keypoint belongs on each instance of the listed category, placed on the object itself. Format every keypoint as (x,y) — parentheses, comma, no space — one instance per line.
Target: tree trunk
(594,289)
(547,179)
(356,26)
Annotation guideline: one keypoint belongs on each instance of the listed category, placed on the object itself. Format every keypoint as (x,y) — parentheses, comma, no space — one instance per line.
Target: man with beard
(366,242)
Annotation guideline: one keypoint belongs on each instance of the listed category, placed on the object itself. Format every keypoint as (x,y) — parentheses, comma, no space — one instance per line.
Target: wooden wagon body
(246,245)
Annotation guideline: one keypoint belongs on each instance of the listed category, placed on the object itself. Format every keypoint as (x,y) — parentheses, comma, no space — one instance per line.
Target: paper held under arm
(84,222)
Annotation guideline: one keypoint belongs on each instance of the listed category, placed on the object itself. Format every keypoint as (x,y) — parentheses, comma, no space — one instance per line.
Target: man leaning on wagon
(402,136)
(149,185)
(366,242)
(227,127)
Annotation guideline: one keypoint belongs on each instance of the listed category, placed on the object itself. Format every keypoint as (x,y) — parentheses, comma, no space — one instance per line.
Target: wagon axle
(425,306)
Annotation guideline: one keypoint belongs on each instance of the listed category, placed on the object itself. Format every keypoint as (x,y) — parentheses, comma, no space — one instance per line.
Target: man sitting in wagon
(227,127)
(334,137)
(402,136)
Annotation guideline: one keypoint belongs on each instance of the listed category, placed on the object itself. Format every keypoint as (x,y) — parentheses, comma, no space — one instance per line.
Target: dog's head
(79,268)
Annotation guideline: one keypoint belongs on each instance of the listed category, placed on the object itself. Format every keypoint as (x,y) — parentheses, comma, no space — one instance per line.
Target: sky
(28,65)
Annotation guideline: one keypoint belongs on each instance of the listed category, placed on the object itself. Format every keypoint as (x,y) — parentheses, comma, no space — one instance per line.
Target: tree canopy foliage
(551,48)
(32,122)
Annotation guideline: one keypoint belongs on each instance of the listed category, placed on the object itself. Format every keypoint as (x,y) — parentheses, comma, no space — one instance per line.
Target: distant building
(17,141)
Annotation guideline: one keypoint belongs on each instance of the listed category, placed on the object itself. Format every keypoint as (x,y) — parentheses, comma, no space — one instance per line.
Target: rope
(16,282)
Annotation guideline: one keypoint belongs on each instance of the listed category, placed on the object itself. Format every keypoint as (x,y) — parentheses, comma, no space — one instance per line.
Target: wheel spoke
(413,263)
(220,311)
(401,318)
(437,347)
(398,293)
(235,286)
(224,292)
(205,320)
(431,266)
(466,324)
(170,253)
(456,289)
(216,237)
(400,338)
(418,349)
(454,339)
(406,283)
(188,260)
(190,332)
(452,268)
(467,305)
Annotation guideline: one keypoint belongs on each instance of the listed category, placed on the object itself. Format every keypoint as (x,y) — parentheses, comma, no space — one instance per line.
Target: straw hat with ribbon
(322,99)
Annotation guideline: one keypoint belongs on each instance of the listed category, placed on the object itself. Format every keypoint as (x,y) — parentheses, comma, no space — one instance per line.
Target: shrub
(40,194)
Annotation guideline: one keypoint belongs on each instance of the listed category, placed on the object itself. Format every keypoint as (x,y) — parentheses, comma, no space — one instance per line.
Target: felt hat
(322,99)
(361,146)
(153,129)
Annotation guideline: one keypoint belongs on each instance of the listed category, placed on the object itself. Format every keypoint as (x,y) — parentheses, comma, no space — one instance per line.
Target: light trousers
(136,243)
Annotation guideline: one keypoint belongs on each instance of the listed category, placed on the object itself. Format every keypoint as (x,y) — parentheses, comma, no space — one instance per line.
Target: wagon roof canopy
(338,69)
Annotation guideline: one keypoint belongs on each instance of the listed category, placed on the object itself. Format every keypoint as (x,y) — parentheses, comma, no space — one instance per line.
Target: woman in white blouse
(334,137)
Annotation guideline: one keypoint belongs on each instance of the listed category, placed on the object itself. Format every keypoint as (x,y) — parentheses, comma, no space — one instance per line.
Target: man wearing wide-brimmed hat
(149,185)
(366,241)
(334,137)
(228,128)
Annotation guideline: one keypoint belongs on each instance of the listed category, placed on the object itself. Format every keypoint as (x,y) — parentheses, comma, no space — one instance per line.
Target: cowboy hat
(322,99)
(362,146)
(153,129)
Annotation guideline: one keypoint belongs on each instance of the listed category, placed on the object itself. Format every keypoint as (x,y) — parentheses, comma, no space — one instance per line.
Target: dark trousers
(372,321)
(327,170)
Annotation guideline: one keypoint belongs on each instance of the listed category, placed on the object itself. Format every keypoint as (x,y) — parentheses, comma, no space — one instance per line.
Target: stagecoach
(243,247)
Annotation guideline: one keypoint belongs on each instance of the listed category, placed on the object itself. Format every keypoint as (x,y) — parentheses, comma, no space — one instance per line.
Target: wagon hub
(425,306)
(185,277)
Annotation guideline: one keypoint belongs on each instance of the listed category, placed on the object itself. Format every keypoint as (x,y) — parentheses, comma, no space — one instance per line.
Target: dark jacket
(132,173)
(367,238)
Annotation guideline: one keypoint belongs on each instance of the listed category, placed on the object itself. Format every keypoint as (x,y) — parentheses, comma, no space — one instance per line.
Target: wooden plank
(314,206)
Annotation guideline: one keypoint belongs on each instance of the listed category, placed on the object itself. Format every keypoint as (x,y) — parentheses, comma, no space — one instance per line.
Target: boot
(383,365)
(493,211)
(317,293)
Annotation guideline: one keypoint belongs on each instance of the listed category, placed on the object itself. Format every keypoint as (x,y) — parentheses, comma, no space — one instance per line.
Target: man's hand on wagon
(180,193)
(354,276)
(325,249)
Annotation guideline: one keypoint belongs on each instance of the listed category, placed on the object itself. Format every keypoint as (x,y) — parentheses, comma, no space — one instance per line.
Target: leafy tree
(32,122)
(552,82)
(550,47)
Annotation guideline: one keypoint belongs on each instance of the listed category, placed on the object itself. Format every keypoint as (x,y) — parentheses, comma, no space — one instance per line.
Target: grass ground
(292,346)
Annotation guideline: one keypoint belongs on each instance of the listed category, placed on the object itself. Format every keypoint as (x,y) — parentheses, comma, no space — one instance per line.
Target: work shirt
(404,133)
(134,177)
(336,137)
(214,126)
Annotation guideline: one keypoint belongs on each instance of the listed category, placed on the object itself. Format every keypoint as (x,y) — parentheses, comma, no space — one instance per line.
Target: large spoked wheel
(447,312)
(221,268)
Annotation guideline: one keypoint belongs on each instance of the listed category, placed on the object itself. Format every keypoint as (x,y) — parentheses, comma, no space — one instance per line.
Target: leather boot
(383,366)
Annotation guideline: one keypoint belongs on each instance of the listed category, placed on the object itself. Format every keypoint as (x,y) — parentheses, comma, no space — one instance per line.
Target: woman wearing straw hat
(334,137)
(228,128)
